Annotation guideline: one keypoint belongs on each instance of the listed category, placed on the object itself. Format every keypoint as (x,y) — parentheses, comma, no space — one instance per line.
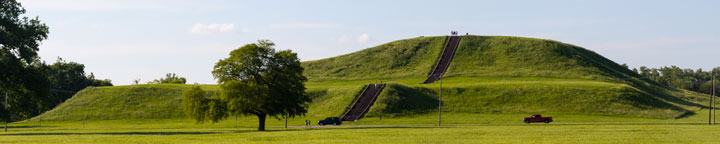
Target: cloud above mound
(213,28)
(364,38)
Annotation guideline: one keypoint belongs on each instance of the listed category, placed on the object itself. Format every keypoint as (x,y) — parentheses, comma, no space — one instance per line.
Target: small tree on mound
(170,78)
(255,80)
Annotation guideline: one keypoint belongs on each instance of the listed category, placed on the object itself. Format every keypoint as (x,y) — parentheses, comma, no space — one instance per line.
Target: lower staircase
(362,104)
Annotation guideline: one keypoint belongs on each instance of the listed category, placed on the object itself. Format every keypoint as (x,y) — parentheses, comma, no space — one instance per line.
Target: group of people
(454,33)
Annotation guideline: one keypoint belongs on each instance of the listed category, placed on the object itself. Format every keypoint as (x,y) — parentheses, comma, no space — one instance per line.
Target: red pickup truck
(537,118)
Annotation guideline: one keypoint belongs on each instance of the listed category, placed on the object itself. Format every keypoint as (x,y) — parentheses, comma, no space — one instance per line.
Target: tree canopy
(257,80)
(694,80)
(22,80)
(67,78)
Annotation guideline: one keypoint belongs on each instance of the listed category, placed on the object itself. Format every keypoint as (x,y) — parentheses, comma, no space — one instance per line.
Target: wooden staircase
(362,104)
(444,62)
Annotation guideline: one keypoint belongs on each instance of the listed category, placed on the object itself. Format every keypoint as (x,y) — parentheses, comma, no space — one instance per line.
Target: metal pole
(712,82)
(440,103)
(7,117)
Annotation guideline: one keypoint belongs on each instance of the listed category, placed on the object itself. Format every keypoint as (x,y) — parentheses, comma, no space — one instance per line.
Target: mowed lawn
(476,128)
(520,133)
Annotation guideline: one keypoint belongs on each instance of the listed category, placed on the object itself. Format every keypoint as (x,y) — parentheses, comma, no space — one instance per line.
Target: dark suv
(330,120)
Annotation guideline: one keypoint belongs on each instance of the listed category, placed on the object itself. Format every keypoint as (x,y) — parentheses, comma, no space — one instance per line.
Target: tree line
(67,78)
(694,80)
(29,86)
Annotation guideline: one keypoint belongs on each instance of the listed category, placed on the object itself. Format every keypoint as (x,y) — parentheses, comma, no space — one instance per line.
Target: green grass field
(457,128)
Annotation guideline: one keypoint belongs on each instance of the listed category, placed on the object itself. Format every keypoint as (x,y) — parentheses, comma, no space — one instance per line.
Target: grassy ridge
(122,102)
(528,57)
(164,101)
(398,59)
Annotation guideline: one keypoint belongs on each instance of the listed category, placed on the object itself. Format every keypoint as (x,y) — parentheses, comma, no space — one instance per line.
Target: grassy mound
(489,74)
(500,74)
(121,102)
(164,101)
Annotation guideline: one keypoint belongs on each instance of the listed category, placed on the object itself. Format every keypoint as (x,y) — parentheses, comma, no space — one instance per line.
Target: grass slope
(407,58)
(489,75)
(164,101)
(500,74)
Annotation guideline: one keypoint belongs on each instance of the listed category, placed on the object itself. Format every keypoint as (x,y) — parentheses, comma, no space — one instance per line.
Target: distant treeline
(67,78)
(673,76)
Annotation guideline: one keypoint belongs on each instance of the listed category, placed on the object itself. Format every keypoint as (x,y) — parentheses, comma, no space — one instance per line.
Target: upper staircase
(445,59)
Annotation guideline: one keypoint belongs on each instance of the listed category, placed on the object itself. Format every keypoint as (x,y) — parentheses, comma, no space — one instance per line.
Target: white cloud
(363,38)
(303,25)
(214,28)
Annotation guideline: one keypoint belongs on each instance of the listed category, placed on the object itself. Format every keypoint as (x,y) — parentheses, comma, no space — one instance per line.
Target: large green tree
(22,81)
(258,80)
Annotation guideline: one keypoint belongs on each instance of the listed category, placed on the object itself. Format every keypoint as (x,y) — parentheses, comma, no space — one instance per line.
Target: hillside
(501,74)
(489,74)
(477,56)
(410,58)
(164,101)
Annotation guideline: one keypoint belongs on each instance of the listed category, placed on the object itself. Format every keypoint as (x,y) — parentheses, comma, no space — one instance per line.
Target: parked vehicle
(537,118)
(330,120)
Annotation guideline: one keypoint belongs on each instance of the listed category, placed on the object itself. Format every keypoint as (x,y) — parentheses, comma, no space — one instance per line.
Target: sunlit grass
(457,128)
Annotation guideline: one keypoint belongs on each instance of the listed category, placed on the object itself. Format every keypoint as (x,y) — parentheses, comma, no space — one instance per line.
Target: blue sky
(123,40)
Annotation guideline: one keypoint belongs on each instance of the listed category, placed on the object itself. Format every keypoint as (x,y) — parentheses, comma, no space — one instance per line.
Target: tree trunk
(261,121)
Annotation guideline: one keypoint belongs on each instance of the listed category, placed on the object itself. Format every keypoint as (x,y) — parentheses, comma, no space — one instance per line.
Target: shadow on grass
(350,127)
(686,115)
(212,132)
(26,126)
(111,133)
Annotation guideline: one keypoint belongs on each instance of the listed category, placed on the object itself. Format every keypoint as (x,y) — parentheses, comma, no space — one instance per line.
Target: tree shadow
(388,127)
(27,126)
(686,115)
